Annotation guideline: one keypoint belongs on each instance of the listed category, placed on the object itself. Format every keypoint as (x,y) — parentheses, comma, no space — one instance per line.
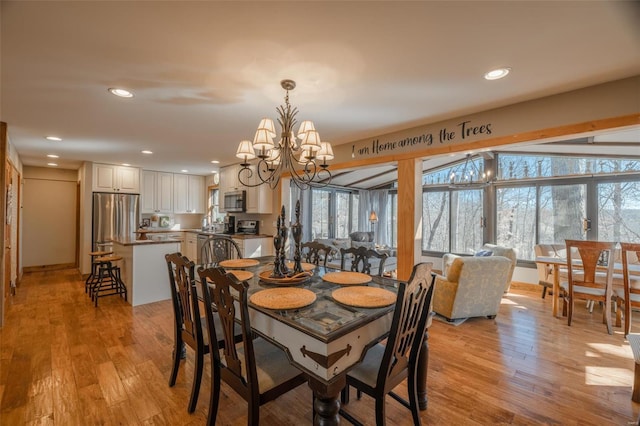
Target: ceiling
(205,73)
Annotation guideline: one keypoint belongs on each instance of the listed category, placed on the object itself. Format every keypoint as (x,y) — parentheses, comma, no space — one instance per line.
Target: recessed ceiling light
(52,156)
(184,171)
(52,164)
(215,162)
(146,151)
(126,164)
(53,138)
(497,73)
(120,92)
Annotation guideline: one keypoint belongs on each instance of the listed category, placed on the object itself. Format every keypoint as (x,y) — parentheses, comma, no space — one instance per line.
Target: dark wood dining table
(326,339)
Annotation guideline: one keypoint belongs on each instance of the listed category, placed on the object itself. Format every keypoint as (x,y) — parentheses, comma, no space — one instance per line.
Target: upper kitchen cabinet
(188,194)
(111,178)
(259,198)
(157,192)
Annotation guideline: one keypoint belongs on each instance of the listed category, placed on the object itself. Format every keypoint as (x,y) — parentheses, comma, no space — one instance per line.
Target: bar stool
(93,276)
(108,281)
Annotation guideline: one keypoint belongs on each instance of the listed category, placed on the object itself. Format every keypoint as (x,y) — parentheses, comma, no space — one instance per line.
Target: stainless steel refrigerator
(114,216)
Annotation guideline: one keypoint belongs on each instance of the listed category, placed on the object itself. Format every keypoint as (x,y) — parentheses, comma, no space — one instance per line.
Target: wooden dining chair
(216,249)
(589,276)
(385,366)
(255,368)
(188,324)
(631,290)
(360,258)
(315,252)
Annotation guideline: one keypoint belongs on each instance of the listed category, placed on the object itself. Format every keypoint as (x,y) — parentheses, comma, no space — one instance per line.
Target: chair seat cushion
(367,371)
(272,365)
(582,289)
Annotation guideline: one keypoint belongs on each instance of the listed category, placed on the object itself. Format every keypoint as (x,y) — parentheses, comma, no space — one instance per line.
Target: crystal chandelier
(304,157)
(468,174)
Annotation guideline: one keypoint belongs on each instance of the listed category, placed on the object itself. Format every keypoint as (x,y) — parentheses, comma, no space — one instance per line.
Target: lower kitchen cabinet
(255,247)
(191,246)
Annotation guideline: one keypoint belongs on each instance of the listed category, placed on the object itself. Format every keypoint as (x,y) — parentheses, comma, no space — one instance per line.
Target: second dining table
(326,338)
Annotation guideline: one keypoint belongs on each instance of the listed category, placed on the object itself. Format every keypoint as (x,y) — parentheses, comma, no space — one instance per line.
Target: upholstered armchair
(486,250)
(471,287)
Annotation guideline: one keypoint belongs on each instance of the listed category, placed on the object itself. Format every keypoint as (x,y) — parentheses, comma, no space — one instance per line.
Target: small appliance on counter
(229,224)
(249,227)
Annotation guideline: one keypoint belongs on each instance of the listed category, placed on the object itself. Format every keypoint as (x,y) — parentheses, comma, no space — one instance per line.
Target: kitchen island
(144,269)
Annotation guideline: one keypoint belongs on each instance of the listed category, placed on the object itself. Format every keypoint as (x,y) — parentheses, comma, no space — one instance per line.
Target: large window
(332,213)
(535,199)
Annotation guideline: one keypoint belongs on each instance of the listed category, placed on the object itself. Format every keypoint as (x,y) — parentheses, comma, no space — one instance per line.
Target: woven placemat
(242,275)
(305,266)
(283,298)
(347,278)
(364,297)
(239,263)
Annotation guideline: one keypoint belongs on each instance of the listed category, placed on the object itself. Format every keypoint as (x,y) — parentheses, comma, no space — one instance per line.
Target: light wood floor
(64,362)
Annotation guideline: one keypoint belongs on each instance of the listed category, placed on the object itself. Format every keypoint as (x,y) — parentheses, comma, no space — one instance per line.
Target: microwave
(235,201)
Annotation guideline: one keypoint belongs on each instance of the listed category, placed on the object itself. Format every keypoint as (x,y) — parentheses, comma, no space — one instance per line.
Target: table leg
(423,366)
(556,290)
(327,400)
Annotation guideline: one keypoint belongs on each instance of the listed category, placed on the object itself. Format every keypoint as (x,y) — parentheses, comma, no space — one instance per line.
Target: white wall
(49,212)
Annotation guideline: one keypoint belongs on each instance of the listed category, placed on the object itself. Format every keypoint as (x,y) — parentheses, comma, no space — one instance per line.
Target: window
(331,215)
(435,215)
(619,211)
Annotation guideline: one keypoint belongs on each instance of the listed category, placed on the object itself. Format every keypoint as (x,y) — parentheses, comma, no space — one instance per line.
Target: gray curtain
(364,204)
(375,200)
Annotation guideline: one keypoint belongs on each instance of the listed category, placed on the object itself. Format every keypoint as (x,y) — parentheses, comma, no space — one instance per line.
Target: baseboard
(45,268)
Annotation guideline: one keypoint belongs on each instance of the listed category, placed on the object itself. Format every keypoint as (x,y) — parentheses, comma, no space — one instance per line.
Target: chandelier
(468,174)
(304,157)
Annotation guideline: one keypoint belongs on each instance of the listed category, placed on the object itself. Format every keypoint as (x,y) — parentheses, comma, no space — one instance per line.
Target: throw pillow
(483,253)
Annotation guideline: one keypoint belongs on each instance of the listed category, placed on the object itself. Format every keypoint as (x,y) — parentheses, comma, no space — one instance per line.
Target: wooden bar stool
(108,281)
(93,276)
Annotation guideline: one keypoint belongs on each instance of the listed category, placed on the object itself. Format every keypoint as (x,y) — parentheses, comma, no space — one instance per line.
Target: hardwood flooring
(64,362)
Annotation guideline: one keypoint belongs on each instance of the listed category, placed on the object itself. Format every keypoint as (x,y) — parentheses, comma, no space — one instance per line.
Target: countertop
(134,242)
(200,231)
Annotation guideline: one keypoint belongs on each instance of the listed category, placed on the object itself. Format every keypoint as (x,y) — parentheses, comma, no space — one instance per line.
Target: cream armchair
(471,287)
(486,250)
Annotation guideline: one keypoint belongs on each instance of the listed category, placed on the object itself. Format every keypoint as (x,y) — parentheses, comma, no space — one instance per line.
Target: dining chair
(255,368)
(216,249)
(360,259)
(188,324)
(631,283)
(385,366)
(589,276)
(315,252)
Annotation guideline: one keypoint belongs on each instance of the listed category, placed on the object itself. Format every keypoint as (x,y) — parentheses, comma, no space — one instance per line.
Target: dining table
(325,339)
(561,262)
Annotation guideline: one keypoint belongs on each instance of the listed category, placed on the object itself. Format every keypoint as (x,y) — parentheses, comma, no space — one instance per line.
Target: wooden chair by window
(315,252)
(588,277)
(631,282)
(256,369)
(216,249)
(361,259)
(188,324)
(385,366)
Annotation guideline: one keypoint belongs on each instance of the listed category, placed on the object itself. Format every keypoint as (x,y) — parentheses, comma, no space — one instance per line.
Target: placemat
(242,275)
(239,263)
(364,297)
(283,298)
(347,278)
(305,266)
(294,280)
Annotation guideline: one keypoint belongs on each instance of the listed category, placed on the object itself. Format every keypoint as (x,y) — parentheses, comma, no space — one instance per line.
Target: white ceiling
(205,73)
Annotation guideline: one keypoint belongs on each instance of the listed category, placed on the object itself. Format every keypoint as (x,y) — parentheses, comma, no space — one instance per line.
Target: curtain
(364,210)
(379,203)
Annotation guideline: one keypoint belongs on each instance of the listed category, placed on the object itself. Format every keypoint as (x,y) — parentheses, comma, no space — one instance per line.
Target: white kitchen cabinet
(191,246)
(157,192)
(255,247)
(229,179)
(112,178)
(188,194)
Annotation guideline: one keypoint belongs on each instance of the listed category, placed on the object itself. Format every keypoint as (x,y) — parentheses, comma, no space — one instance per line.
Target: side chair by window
(631,282)
(385,366)
(255,368)
(588,278)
